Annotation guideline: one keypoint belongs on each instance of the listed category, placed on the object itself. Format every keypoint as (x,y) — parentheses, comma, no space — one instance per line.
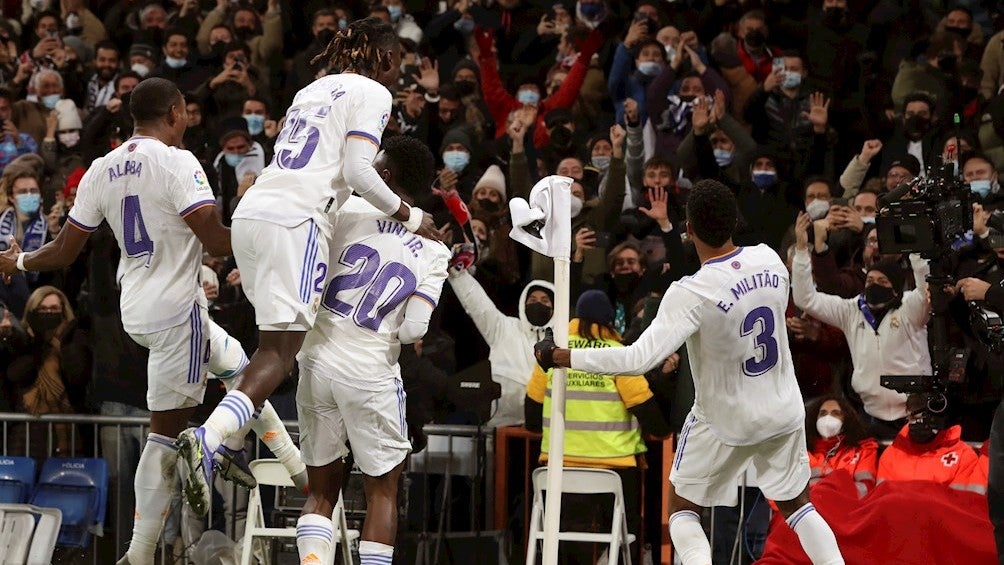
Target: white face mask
(576,206)
(70,139)
(817,209)
(141,69)
(829,426)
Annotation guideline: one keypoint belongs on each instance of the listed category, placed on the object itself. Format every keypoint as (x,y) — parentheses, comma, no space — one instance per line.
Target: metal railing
(454,451)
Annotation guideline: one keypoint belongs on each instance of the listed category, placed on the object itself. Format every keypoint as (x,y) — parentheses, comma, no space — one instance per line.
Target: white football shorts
(177,365)
(707,471)
(283,271)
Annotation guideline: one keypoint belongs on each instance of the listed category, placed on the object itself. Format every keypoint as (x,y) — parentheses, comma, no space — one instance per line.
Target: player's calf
(813,532)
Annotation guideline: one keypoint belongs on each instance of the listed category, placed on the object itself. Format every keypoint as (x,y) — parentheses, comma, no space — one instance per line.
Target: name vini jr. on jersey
(409,240)
(746,285)
(119,170)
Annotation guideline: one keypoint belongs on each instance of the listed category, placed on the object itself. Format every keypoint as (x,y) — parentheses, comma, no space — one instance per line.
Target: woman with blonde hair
(50,374)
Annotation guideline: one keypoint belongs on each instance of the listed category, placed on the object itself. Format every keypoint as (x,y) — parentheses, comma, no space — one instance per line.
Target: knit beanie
(594,306)
(493,178)
(892,270)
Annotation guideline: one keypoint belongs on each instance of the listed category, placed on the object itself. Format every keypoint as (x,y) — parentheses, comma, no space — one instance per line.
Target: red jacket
(501,103)
(946,460)
(758,71)
(861,461)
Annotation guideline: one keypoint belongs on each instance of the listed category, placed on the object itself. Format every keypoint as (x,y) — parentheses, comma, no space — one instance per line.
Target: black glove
(544,350)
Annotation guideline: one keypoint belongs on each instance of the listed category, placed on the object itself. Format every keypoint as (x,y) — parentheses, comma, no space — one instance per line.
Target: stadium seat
(583,481)
(79,489)
(27,534)
(271,472)
(17,476)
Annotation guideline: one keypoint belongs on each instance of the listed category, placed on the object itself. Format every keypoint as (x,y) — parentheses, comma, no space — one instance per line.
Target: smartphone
(778,65)
(52,34)
(839,202)
(238,66)
(603,240)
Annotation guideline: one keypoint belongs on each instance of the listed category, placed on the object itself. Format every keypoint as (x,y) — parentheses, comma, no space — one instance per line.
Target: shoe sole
(195,487)
(232,472)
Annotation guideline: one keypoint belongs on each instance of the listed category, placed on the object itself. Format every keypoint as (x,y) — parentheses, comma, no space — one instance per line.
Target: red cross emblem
(949,459)
(855,459)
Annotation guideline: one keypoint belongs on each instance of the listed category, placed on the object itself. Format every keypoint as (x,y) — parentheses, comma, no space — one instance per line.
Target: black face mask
(962,32)
(916,127)
(561,137)
(466,87)
(922,431)
(324,37)
(688,98)
(879,297)
(219,50)
(756,39)
(834,17)
(538,314)
(44,323)
(244,33)
(626,282)
(488,205)
(969,93)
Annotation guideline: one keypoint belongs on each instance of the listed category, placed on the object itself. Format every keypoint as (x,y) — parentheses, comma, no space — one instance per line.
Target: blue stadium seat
(79,489)
(17,476)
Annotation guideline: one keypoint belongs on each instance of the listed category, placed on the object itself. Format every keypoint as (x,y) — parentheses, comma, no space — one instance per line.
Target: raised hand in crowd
(804,327)
(869,150)
(637,32)
(695,60)
(585,239)
(700,118)
(516,132)
(428,77)
(617,136)
(11,131)
(447,180)
(658,208)
(631,111)
(802,231)
(819,112)
(845,217)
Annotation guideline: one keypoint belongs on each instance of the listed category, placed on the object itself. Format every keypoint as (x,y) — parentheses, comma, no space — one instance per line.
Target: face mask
(670,52)
(466,87)
(921,431)
(244,33)
(141,69)
(343,23)
(878,296)
(464,26)
(219,50)
(175,63)
(395,13)
(576,207)
(915,127)
(833,17)
(626,282)
(28,204)
(256,123)
(791,80)
(756,39)
(962,32)
(868,219)
(530,97)
(456,161)
(50,101)
(980,187)
(590,11)
(488,205)
(537,314)
(44,323)
(723,157)
(764,179)
(325,36)
(817,209)
(602,162)
(69,139)
(687,99)
(233,159)
(649,68)
(828,426)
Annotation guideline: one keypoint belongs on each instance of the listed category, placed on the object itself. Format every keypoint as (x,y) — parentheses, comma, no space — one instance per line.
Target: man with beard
(916,134)
(262,34)
(101,85)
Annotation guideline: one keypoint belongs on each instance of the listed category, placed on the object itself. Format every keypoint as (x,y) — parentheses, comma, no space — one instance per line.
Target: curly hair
(712,212)
(411,163)
(364,47)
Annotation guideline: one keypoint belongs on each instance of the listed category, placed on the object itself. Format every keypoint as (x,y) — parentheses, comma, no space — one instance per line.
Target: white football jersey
(376,265)
(304,180)
(731,316)
(144,189)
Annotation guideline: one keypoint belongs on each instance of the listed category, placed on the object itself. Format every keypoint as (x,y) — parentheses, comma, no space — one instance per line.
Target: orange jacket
(946,460)
(981,473)
(861,461)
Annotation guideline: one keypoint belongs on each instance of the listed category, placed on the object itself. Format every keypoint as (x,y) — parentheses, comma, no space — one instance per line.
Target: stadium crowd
(808,111)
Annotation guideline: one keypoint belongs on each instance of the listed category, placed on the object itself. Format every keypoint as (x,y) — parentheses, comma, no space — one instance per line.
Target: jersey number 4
(377,279)
(760,321)
(137,241)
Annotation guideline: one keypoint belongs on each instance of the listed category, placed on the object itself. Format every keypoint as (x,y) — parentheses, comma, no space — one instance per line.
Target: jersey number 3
(377,279)
(760,321)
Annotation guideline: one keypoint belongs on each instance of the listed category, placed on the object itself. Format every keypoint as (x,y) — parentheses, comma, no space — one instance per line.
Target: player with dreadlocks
(282,228)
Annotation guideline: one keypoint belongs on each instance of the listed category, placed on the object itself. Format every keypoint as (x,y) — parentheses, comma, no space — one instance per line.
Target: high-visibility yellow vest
(598,425)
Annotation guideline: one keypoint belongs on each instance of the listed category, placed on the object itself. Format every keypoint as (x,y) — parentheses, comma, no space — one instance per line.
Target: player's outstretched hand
(428,229)
(8,260)
(544,350)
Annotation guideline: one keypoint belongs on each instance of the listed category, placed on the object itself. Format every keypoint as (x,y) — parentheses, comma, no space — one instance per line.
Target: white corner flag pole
(544,225)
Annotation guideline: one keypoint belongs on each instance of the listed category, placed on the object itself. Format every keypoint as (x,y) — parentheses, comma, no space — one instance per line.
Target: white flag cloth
(544,224)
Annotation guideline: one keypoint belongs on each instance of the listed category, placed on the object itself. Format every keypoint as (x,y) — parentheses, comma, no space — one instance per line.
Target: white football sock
(230,416)
(314,535)
(270,429)
(374,553)
(155,481)
(689,539)
(816,536)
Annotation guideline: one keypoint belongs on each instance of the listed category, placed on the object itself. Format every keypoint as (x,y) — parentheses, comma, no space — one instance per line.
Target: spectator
(177,66)
(979,172)
(14,143)
(61,147)
(30,117)
(638,60)
(836,439)
(197,139)
(305,69)
(722,141)
(239,162)
(915,134)
(23,219)
(109,125)
(224,94)
(142,59)
(992,65)
(857,169)
(100,87)
(50,374)
(884,310)
(261,34)
(752,35)
(927,448)
(403,23)
(766,208)
(460,171)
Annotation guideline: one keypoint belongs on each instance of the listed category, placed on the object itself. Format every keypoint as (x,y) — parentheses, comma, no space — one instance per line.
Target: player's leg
(315,531)
(686,531)
(376,545)
(782,466)
(175,387)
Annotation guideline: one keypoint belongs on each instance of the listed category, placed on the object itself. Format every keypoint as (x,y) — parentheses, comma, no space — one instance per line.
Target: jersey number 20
(760,321)
(377,278)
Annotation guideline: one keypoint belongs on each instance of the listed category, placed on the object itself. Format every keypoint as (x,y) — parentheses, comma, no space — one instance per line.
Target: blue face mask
(530,97)
(649,68)
(791,80)
(395,13)
(174,63)
(764,179)
(601,162)
(256,123)
(50,101)
(343,23)
(233,159)
(464,26)
(456,161)
(28,204)
(590,10)
(980,187)
(723,157)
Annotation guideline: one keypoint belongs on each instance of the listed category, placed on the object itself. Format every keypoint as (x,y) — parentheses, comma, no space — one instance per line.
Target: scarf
(8,227)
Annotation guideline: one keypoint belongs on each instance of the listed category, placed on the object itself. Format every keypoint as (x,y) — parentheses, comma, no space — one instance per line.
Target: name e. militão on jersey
(746,285)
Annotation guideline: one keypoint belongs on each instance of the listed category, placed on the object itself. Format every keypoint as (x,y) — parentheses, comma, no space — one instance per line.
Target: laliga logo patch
(736,265)
(383,120)
(200,178)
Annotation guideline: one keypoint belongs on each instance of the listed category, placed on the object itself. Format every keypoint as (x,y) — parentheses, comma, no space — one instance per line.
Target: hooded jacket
(511,341)
(946,459)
